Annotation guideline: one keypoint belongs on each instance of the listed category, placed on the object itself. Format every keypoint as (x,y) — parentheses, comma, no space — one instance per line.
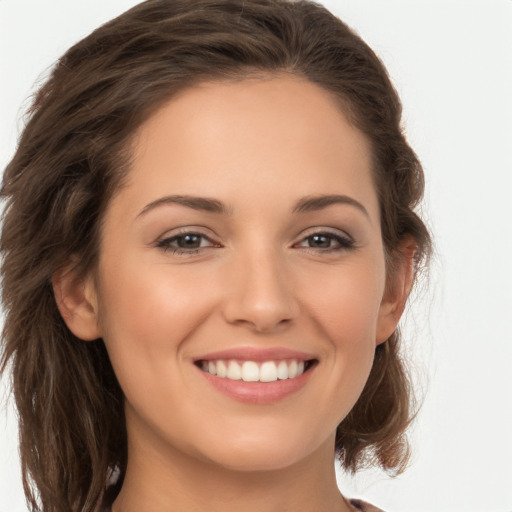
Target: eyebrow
(304,205)
(315,203)
(196,203)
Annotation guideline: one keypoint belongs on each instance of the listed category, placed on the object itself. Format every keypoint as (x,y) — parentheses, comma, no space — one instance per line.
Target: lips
(247,353)
(257,375)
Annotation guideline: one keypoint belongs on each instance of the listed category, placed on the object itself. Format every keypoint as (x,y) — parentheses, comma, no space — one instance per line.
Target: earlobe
(397,290)
(77,302)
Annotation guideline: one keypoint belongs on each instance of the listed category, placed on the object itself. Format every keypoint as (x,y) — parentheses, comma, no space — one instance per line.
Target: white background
(451,61)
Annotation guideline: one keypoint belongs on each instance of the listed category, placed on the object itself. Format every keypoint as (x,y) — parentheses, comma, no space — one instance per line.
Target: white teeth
(222,370)
(251,371)
(292,370)
(234,371)
(268,372)
(282,370)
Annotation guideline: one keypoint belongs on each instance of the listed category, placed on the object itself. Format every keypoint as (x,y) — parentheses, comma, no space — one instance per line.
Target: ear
(399,283)
(76,299)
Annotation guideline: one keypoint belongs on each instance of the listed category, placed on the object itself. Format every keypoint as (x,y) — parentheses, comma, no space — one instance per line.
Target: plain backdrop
(451,61)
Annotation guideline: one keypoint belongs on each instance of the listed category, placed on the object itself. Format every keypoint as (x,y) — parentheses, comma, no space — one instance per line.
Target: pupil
(189,241)
(320,241)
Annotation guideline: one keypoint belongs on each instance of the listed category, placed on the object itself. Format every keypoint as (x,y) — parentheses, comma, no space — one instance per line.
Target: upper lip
(256,354)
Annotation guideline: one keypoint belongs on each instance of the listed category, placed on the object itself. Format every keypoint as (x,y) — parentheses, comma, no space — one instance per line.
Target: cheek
(147,315)
(143,296)
(344,308)
(345,302)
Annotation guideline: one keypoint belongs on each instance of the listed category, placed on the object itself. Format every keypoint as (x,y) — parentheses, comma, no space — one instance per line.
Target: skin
(258,280)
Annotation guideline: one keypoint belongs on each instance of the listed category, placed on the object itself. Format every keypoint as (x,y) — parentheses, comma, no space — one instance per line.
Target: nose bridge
(261,291)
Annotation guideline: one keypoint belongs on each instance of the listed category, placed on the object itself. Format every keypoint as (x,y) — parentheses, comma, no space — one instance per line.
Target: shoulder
(362,506)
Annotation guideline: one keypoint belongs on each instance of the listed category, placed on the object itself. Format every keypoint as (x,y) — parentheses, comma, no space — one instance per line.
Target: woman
(208,243)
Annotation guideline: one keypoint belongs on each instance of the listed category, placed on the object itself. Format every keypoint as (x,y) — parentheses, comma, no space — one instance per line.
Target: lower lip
(258,392)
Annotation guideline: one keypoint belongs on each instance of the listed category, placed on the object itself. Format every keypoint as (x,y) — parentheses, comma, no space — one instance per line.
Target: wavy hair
(72,157)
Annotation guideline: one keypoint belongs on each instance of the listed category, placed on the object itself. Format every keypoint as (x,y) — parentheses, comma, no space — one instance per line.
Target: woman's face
(246,243)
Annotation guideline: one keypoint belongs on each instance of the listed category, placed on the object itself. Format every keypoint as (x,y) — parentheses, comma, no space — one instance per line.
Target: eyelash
(165,243)
(345,243)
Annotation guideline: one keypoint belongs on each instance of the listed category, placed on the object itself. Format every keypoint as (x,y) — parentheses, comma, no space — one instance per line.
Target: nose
(260,293)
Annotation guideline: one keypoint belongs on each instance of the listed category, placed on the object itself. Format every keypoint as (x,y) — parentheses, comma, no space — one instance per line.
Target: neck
(162,479)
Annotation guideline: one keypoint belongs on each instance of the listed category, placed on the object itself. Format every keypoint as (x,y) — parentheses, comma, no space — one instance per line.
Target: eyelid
(164,241)
(186,230)
(345,241)
(325,230)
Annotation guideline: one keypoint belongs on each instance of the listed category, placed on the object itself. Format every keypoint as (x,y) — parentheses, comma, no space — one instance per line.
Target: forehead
(282,135)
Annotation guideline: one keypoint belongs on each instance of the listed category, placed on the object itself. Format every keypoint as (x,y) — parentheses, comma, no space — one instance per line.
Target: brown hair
(71,159)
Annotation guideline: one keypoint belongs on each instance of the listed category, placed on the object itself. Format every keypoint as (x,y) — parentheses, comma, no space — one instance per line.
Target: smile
(255,375)
(256,371)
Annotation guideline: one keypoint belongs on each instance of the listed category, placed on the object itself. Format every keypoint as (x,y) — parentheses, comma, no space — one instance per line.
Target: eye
(325,241)
(186,243)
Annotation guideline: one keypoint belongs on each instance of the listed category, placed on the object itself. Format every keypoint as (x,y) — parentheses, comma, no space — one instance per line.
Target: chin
(257,460)
(260,453)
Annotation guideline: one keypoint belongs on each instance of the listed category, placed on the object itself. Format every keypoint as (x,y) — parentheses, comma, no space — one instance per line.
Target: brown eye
(320,241)
(186,243)
(189,241)
(327,242)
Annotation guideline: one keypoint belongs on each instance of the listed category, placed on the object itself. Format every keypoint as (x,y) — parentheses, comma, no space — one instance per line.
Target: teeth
(268,372)
(292,370)
(251,371)
(234,371)
(222,370)
(282,370)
